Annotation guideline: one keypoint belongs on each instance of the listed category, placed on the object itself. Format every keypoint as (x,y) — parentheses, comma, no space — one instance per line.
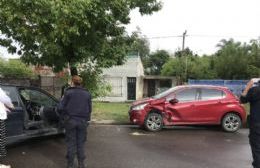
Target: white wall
(132,68)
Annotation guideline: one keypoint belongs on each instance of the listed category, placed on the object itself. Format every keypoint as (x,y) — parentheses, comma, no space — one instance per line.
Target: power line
(158,37)
(203,36)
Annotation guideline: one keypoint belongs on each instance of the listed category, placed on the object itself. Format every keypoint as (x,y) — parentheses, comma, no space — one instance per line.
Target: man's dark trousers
(76,135)
(254,139)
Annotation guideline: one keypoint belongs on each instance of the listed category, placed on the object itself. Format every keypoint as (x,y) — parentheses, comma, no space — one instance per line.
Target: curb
(108,122)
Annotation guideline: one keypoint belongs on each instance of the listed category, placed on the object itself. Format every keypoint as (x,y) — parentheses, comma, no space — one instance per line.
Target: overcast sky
(206,22)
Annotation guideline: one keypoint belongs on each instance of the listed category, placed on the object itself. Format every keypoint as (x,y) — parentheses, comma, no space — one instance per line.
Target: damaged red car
(189,105)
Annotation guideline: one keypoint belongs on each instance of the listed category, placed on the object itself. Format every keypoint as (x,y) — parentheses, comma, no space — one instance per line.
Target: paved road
(129,147)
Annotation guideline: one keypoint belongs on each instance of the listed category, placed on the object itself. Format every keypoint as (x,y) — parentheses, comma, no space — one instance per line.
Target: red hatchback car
(189,105)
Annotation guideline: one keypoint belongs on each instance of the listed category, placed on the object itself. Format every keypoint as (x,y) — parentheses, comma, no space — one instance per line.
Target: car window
(211,94)
(37,97)
(187,95)
(165,93)
(11,92)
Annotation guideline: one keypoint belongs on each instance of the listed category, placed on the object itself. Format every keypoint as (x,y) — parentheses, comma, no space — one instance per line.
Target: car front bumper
(137,116)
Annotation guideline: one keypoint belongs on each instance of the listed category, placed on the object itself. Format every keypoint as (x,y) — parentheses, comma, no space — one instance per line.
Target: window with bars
(116,86)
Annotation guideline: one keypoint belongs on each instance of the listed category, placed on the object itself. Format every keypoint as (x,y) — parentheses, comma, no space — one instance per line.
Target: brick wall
(51,84)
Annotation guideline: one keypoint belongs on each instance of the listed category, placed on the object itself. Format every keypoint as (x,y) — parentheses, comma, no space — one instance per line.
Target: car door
(183,111)
(209,105)
(40,107)
(15,118)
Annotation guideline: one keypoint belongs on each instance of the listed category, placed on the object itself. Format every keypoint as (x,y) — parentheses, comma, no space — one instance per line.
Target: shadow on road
(182,128)
(36,141)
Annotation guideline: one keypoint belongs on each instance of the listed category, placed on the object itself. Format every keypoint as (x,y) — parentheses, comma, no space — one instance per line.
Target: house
(129,83)
(126,80)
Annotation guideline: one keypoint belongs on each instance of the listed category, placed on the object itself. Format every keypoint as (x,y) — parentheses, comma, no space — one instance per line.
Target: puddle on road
(140,134)
(228,140)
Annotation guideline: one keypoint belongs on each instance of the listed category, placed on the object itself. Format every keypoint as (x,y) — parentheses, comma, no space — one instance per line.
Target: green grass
(247,107)
(111,111)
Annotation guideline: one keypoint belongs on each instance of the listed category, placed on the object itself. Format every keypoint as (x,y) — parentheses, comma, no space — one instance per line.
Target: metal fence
(116,84)
(236,86)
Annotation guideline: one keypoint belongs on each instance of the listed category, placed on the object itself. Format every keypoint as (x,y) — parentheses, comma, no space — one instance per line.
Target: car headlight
(139,107)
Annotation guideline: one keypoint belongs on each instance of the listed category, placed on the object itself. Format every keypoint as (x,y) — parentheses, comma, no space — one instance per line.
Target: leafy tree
(232,60)
(93,81)
(140,44)
(15,69)
(177,65)
(58,32)
(201,68)
(174,67)
(197,67)
(180,53)
(254,59)
(156,61)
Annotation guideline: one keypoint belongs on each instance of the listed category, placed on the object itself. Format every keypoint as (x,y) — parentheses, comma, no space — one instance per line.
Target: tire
(231,122)
(153,122)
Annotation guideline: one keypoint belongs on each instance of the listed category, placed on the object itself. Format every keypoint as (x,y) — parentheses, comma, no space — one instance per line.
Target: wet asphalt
(115,146)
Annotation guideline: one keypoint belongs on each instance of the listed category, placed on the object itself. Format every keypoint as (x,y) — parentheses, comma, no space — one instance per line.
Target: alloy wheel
(154,122)
(231,122)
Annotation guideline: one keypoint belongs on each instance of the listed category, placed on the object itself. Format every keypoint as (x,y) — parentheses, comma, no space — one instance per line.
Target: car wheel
(231,122)
(153,122)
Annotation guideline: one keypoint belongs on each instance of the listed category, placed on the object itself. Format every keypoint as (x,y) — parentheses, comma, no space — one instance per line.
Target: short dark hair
(76,80)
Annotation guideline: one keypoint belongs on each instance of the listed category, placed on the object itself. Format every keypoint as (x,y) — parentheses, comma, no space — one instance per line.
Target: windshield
(165,93)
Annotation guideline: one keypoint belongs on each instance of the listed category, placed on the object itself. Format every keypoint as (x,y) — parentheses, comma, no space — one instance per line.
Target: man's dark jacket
(253,97)
(76,104)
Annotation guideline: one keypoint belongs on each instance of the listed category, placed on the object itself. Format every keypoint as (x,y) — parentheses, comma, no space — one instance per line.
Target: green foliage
(155,62)
(201,68)
(140,44)
(254,58)
(237,61)
(174,67)
(93,82)
(233,60)
(57,32)
(180,53)
(15,69)
(197,67)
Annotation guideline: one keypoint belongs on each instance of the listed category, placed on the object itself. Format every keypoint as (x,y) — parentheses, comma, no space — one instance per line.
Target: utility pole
(183,40)
(183,52)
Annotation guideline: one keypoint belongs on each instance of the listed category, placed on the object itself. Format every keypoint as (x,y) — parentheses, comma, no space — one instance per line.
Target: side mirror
(174,101)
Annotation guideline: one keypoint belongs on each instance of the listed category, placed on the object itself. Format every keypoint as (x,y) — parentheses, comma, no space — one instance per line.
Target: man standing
(75,108)
(251,94)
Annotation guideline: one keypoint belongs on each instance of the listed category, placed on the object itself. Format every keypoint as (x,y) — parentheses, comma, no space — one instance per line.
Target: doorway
(131,88)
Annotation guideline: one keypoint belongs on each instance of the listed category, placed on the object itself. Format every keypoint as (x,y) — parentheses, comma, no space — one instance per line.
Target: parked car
(189,105)
(34,114)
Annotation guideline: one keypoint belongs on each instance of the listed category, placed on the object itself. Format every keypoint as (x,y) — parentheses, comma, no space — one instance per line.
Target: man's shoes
(82,165)
(69,165)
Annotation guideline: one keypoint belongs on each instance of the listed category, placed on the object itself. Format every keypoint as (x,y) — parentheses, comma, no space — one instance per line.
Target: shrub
(15,69)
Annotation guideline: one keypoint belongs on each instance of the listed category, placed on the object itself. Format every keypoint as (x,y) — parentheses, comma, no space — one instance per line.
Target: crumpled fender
(159,105)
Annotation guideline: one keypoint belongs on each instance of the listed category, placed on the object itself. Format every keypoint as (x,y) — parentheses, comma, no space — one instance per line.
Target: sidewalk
(109,122)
